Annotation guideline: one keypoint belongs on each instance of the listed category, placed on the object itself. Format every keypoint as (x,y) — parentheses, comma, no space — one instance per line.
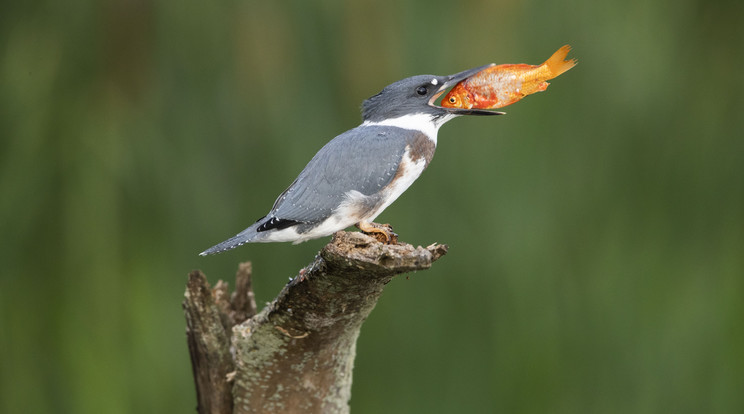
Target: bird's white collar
(417,122)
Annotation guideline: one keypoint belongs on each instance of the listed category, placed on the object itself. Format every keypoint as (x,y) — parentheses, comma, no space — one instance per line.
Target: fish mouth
(453,80)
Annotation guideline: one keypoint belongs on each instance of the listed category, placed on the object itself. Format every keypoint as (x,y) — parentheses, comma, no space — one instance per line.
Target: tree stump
(297,354)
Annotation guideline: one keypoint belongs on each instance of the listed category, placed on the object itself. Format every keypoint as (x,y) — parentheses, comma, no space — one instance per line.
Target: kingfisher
(359,173)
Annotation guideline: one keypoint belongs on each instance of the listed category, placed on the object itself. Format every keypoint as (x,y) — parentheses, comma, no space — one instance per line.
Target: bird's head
(417,95)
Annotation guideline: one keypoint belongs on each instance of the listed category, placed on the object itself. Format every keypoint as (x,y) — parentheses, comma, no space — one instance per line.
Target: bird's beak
(453,80)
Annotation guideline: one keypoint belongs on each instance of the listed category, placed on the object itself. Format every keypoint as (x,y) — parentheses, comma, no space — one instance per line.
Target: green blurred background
(596,232)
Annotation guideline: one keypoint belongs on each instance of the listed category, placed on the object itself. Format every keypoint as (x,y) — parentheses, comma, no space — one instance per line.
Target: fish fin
(556,64)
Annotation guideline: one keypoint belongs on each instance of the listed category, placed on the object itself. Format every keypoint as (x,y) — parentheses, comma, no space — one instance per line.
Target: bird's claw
(382,232)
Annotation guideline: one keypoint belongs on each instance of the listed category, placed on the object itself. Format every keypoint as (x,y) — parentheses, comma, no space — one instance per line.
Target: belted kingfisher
(359,173)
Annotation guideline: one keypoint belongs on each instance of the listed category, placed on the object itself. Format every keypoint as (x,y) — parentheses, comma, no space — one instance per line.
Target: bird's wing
(363,159)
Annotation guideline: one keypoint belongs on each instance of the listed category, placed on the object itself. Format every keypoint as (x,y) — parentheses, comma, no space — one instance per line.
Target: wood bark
(297,354)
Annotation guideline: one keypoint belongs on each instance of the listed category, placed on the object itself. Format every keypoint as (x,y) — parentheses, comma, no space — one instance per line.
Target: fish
(502,85)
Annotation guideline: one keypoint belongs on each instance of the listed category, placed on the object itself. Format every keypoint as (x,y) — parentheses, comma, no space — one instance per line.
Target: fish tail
(556,63)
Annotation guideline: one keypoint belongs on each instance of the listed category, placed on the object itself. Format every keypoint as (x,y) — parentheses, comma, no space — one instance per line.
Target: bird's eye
(452,99)
(421,90)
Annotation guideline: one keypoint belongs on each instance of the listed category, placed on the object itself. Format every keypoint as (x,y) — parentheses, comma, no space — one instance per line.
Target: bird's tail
(246,236)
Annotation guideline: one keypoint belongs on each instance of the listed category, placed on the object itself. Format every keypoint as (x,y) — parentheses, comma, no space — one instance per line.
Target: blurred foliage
(596,231)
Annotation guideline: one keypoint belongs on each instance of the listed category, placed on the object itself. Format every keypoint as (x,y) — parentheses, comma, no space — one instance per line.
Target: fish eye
(421,90)
(452,99)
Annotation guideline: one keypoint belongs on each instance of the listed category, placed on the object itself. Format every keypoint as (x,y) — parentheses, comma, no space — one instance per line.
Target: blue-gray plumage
(354,177)
(323,185)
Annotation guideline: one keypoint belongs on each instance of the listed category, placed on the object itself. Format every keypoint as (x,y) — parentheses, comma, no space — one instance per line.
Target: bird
(360,172)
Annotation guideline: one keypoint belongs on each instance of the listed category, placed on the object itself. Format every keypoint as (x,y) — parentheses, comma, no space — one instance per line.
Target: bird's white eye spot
(434,81)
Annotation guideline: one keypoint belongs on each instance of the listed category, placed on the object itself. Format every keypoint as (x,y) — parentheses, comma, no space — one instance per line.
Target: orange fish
(503,85)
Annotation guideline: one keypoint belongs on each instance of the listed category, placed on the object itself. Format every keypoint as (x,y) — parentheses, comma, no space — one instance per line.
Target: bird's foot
(382,232)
